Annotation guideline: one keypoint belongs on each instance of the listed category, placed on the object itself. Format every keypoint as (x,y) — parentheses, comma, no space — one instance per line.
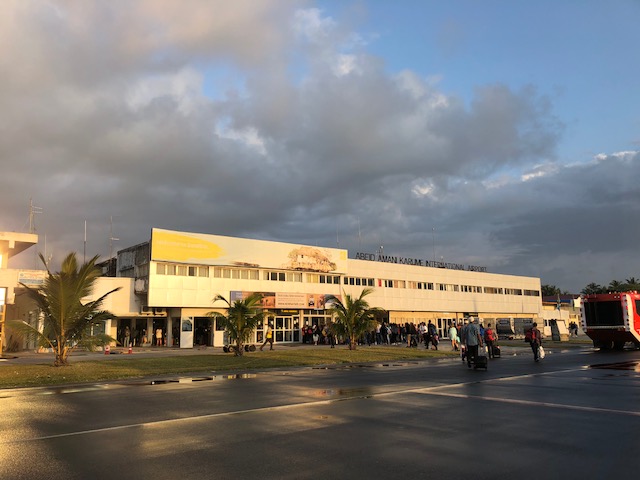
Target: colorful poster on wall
(203,249)
(283,300)
(268,298)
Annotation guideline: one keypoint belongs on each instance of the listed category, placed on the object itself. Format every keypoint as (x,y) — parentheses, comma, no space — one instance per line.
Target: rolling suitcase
(496,351)
(481,359)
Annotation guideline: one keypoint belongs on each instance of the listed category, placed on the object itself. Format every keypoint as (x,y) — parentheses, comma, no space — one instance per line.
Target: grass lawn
(92,371)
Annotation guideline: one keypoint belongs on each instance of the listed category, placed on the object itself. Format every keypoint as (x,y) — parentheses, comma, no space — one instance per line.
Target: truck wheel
(252,348)
(606,345)
(618,346)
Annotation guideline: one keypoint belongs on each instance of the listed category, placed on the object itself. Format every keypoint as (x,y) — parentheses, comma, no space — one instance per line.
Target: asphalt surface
(573,415)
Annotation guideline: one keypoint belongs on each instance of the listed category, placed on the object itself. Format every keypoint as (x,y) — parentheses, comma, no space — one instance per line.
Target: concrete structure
(174,277)
(558,314)
(11,244)
(14,306)
(166,287)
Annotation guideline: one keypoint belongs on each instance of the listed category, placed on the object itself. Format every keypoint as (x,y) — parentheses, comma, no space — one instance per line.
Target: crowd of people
(409,334)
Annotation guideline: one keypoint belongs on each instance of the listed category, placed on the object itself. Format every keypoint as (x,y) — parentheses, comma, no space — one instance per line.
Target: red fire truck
(611,319)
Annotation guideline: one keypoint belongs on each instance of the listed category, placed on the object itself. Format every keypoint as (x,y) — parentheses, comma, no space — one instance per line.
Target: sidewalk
(33,357)
(509,348)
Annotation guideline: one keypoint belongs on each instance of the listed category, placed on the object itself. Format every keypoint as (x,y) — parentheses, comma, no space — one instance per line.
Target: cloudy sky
(496,133)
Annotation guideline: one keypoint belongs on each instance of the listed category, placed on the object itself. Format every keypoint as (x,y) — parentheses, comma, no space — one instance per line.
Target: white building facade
(175,276)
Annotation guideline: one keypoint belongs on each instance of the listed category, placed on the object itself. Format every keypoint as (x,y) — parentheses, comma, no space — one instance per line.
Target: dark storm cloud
(110,116)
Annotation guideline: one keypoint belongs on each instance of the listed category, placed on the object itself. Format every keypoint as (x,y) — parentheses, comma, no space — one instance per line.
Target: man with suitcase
(472,340)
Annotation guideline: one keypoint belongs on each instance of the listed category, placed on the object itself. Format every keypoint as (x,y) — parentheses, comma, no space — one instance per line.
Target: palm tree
(616,286)
(352,317)
(633,283)
(242,318)
(550,290)
(67,320)
(593,288)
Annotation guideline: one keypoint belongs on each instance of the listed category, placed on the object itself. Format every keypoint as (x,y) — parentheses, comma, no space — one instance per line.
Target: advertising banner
(32,278)
(203,249)
(279,300)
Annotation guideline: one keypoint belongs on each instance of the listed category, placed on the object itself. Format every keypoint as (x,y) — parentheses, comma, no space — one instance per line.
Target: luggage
(496,351)
(481,360)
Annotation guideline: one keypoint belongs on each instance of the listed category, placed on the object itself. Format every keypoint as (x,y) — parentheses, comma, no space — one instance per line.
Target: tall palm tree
(616,286)
(550,290)
(633,283)
(352,316)
(242,318)
(67,318)
(593,288)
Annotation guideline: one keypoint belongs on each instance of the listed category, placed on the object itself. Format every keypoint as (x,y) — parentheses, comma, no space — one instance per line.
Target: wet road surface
(574,415)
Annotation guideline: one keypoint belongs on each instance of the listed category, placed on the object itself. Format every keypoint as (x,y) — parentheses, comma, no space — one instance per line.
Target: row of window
(181,270)
(359,281)
(280,276)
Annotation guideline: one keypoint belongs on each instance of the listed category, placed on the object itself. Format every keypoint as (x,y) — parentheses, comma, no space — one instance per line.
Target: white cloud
(345,65)
(185,86)
(313,26)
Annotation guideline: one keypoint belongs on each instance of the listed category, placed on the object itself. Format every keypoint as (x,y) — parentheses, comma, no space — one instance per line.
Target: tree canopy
(629,284)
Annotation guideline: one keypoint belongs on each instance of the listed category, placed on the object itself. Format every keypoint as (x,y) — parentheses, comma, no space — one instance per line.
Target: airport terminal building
(168,285)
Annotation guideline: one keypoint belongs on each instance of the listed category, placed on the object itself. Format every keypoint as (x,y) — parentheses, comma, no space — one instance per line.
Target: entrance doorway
(314,320)
(203,331)
(285,328)
(159,338)
(123,335)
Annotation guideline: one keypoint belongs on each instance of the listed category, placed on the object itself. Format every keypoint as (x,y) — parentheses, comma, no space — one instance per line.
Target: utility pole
(33,210)
(433,233)
(111,238)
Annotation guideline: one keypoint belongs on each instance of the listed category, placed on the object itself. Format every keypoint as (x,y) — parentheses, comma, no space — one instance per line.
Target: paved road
(574,415)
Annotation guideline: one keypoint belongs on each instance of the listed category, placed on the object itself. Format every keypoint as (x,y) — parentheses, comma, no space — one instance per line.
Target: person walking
(490,340)
(453,336)
(268,338)
(536,342)
(432,331)
(472,340)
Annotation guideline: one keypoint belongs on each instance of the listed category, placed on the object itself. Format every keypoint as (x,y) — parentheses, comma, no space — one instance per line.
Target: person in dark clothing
(472,340)
(432,331)
(536,342)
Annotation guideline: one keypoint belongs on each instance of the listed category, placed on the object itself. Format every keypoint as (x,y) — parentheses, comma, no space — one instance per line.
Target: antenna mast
(33,210)
(111,238)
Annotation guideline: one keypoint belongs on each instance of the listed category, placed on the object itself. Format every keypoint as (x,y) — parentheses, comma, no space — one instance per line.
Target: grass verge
(95,371)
